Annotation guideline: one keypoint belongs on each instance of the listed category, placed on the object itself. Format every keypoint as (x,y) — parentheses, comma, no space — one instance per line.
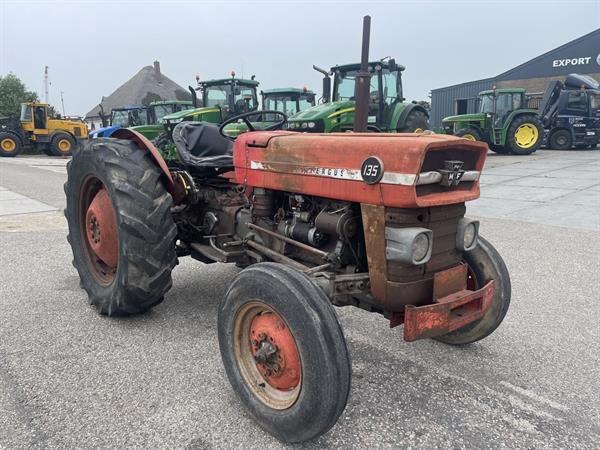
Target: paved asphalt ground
(70,378)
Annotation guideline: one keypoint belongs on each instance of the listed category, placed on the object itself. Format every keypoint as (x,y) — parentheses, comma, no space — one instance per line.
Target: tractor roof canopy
(226,81)
(171,102)
(503,91)
(283,91)
(372,65)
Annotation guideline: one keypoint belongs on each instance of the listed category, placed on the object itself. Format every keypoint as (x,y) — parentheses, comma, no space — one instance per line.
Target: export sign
(571,62)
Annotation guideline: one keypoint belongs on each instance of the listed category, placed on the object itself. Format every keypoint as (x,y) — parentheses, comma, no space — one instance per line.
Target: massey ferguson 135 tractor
(370,220)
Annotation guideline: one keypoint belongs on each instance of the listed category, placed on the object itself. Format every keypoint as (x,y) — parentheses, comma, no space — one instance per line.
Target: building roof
(146,86)
(552,63)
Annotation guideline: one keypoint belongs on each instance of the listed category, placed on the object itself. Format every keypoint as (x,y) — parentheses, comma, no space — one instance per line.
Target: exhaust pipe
(326,84)
(363,81)
(194,96)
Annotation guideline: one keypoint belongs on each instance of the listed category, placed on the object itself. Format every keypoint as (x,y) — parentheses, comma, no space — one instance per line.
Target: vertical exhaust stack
(363,81)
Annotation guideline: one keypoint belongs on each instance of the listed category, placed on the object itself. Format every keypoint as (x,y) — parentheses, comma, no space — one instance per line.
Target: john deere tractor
(218,101)
(503,121)
(55,137)
(388,112)
(289,101)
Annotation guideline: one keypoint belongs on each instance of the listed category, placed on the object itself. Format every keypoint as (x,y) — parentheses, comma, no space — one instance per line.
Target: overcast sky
(92,47)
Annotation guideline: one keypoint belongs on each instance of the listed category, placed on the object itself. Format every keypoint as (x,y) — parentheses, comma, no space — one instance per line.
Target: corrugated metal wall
(443,101)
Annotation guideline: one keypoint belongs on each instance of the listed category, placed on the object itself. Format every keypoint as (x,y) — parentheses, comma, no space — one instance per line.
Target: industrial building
(579,56)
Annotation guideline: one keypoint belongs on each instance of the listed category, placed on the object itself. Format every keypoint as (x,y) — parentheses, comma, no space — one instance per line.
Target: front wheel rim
(267,355)
(469,137)
(8,145)
(526,135)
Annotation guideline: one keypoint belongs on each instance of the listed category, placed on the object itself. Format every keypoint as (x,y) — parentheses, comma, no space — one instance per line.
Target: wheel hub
(64,145)
(275,352)
(8,145)
(526,135)
(101,229)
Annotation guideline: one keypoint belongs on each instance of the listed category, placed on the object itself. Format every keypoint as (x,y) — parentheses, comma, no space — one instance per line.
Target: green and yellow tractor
(504,122)
(387,111)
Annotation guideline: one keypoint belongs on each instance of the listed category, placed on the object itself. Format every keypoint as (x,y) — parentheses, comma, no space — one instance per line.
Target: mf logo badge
(451,173)
(371,170)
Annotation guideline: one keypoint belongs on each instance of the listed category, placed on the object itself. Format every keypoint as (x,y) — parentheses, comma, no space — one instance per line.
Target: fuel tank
(402,170)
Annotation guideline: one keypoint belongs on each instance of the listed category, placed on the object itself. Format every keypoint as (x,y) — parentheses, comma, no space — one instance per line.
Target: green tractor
(219,100)
(289,101)
(503,121)
(387,110)
(157,111)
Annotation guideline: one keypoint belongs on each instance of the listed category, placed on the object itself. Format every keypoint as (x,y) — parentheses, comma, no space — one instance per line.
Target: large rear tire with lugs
(284,351)
(484,264)
(121,230)
(416,122)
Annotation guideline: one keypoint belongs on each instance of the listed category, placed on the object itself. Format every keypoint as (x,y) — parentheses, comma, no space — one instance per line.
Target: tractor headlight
(409,246)
(311,124)
(467,234)
(420,247)
(304,125)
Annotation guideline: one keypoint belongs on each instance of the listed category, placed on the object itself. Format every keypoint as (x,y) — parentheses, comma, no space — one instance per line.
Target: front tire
(416,122)
(284,352)
(485,264)
(561,140)
(471,134)
(525,135)
(120,227)
(10,145)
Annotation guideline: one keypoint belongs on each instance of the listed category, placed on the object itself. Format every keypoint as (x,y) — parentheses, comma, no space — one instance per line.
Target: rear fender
(406,111)
(144,144)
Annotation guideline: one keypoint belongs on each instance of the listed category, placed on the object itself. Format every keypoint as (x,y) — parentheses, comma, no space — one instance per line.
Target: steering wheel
(246,119)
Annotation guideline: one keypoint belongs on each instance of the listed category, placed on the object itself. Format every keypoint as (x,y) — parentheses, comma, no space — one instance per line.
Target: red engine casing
(329,165)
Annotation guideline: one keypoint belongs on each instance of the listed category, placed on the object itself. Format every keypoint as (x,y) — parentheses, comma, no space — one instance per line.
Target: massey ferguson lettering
(571,62)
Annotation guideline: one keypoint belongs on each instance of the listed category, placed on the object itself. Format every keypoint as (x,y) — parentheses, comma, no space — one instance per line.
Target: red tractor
(371,220)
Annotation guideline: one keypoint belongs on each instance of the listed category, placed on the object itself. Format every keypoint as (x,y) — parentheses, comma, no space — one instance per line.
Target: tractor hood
(465,118)
(323,111)
(179,115)
(104,132)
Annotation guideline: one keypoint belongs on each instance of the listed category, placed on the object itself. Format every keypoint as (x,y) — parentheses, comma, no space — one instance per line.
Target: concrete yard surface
(70,378)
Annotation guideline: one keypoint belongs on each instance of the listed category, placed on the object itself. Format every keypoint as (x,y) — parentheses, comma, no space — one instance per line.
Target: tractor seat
(200,145)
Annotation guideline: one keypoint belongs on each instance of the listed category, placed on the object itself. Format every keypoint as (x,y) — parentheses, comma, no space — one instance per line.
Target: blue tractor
(127,116)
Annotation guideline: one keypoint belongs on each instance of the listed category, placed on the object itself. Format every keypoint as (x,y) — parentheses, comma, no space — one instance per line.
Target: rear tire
(561,140)
(525,135)
(416,122)
(144,240)
(485,264)
(62,144)
(10,145)
(307,405)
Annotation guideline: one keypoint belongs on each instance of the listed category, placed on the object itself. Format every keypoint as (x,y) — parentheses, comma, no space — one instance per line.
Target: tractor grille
(443,221)
(434,160)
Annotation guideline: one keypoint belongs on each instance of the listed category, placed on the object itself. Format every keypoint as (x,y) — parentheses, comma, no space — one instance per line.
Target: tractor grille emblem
(451,173)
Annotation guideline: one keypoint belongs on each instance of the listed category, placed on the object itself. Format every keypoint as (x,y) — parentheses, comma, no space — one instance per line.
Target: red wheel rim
(99,230)
(267,355)
(274,351)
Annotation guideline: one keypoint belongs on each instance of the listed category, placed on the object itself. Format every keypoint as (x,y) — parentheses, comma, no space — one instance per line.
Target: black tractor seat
(200,145)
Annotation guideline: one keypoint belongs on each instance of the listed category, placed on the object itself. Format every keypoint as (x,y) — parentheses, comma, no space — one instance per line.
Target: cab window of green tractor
(138,117)
(487,104)
(346,81)
(216,96)
(120,118)
(162,110)
(284,103)
(305,102)
(26,113)
(244,99)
